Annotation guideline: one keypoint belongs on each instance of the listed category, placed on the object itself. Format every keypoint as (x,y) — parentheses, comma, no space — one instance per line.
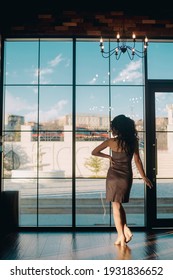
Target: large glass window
(44,88)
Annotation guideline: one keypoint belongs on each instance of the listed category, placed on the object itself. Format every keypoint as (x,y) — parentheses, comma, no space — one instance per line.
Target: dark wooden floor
(157,245)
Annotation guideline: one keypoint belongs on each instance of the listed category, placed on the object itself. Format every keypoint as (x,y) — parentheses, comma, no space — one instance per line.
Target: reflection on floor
(156,245)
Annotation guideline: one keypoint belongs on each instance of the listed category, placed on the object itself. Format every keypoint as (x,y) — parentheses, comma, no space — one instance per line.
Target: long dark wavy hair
(124,128)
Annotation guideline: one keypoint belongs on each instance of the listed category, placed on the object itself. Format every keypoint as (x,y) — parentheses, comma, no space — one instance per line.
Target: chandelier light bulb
(118,36)
(133,36)
(146,40)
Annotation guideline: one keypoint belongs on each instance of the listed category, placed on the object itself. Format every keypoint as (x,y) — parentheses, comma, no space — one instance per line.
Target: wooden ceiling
(54,18)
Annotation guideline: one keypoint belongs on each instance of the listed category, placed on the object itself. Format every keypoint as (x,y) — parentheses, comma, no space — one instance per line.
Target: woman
(124,146)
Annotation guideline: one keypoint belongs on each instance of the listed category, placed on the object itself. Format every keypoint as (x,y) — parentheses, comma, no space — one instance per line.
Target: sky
(54,94)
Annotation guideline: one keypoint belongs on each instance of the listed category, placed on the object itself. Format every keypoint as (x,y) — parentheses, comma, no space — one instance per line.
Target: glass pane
(56,62)
(92,124)
(163,106)
(20,107)
(164,154)
(91,208)
(55,107)
(20,156)
(88,165)
(21,62)
(55,157)
(128,101)
(27,199)
(160,60)
(126,71)
(165,198)
(55,202)
(91,67)
(92,107)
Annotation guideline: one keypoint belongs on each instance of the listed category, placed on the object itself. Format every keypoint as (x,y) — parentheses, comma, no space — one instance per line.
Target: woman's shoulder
(109,141)
(112,142)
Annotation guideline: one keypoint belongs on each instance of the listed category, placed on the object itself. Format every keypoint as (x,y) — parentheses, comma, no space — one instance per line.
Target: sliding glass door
(160,95)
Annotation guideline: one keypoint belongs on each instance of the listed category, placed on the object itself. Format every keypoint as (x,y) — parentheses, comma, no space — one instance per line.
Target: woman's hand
(111,161)
(148,182)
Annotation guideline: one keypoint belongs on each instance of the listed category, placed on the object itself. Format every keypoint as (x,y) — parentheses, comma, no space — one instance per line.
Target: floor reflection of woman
(123,253)
(124,146)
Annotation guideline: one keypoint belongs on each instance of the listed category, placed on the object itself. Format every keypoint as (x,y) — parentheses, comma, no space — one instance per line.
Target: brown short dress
(119,178)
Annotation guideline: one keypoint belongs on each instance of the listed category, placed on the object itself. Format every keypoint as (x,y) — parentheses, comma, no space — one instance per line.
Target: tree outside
(94,164)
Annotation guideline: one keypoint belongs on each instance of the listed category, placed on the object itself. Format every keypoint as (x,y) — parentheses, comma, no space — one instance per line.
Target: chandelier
(122,48)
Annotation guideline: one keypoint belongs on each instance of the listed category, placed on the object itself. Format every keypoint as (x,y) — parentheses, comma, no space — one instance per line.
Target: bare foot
(128,234)
(121,240)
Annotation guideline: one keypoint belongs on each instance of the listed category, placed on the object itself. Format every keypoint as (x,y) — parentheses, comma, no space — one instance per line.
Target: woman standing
(124,146)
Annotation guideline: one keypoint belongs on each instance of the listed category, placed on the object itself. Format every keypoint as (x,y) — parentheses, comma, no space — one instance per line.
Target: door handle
(155,154)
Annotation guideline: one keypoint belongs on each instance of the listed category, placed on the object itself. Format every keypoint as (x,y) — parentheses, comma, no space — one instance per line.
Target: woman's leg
(118,214)
(127,232)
